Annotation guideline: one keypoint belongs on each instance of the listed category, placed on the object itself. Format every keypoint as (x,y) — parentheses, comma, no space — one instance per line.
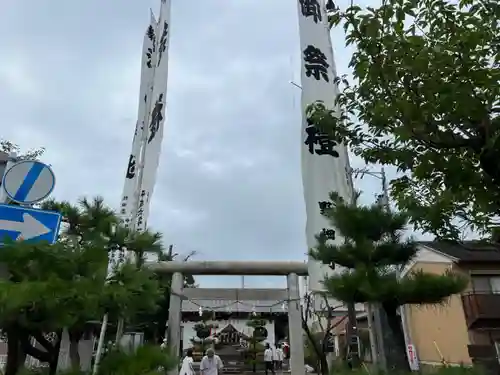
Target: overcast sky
(229,184)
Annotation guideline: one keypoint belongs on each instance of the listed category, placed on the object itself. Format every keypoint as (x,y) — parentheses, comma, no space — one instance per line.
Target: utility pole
(352,332)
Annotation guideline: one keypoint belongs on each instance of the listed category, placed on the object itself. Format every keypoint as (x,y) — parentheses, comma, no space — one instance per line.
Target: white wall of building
(188,331)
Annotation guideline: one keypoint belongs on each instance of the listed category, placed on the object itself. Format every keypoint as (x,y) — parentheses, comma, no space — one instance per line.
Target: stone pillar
(174,317)
(295,334)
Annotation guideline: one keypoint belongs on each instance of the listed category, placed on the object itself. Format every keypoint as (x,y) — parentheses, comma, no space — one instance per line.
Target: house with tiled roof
(466,329)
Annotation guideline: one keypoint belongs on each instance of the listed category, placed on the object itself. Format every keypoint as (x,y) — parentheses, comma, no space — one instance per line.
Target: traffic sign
(28,181)
(28,224)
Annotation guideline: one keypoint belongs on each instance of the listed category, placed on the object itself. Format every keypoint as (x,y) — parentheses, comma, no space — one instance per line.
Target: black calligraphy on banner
(328,233)
(330,6)
(311,8)
(156,118)
(315,63)
(319,143)
(140,210)
(323,206)
(131,167)
(151,50)
(163,42)
(123,211)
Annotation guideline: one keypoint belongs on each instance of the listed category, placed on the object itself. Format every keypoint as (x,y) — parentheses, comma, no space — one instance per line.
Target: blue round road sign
(28,182)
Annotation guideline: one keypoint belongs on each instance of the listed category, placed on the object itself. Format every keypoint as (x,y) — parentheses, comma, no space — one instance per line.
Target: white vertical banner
(156,119)
(325,164)
(129,196)
(128,204)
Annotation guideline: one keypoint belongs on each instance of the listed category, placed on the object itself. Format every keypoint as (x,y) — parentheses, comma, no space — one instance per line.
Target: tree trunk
(319,350)
(55,354)
(74,354)
(13,352)
(323,361)
(394,322)
(21,360)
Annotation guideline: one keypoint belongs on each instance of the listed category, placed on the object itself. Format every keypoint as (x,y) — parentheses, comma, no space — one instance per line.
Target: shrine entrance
(291,295)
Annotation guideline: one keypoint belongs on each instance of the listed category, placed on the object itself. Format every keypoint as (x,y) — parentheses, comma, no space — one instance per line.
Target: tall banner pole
(153,136)
(325,163)
(129,200)
(153,129)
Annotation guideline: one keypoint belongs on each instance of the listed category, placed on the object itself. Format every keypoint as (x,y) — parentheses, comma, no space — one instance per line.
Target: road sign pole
(4,198)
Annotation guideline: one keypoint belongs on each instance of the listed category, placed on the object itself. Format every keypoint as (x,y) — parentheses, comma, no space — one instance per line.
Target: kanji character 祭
(315,63)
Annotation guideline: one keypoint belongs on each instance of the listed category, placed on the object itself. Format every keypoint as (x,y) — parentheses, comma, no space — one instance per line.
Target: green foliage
(153,322)
(372,252)
(50,287)
(8,147)
(146,360)
(425,98)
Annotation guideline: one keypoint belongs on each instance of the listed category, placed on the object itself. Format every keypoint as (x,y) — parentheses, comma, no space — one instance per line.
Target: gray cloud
(229,184)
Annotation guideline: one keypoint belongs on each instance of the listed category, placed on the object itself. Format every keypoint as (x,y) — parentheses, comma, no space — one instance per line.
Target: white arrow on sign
(27,229)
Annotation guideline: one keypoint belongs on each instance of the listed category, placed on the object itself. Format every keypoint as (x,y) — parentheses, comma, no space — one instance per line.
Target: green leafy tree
(425,98)
(61,286)
(92,220)
(154,322)
(373,251)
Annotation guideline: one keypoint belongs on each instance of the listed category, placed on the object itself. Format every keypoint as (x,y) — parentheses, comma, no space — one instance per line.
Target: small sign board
(28,182)
(412,357)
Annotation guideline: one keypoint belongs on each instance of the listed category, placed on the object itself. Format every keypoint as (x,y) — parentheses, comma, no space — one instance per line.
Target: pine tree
(373,252)
(259,334)
(203,338)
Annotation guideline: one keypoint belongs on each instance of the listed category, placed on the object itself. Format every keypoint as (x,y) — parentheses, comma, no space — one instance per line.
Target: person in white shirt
(278,360)
(163,344)
(268,359)
(211,364)
(187,364)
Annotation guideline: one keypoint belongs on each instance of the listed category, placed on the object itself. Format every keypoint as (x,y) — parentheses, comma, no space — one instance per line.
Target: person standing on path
(187,363)
(211,363)
(268,359)
(278,359)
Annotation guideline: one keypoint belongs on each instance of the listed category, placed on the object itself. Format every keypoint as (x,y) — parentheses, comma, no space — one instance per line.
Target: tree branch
(41,355)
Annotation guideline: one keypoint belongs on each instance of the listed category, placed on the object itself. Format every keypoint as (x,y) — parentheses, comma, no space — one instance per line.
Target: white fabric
(322,172)
(279,354)
(156,119)
(268,355)
(187,366)
(211,366)
(130,195)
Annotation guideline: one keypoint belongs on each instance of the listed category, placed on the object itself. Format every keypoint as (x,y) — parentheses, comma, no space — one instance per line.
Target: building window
(486,284)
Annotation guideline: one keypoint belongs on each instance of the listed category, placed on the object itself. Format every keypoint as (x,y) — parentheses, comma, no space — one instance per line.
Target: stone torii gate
(292,271)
